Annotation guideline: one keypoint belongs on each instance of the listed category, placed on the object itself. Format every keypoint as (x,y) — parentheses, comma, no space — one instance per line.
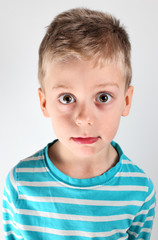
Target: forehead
(71,73)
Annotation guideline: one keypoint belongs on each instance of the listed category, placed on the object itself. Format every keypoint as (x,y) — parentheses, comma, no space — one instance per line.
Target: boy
(81,186)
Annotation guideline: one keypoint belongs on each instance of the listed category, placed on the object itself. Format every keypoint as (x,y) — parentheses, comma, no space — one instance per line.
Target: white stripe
(70,232)
(127,162)
(33,158)
(149,219)
(80,201)
(145,211)
(6,189)
(148,230)
(150,196)
(51,184)
(12,233)
(130,174)
(10,222)
(9,203)
(12,180)
(142,223)
(133,233)
(99,187)
(75,217)
(5,210)
(42,169)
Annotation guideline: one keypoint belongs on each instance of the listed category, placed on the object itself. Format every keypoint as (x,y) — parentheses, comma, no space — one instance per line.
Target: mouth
(87,140)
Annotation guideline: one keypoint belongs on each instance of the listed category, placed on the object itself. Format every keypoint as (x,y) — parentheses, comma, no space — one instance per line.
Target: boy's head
(83,34)
(85,73)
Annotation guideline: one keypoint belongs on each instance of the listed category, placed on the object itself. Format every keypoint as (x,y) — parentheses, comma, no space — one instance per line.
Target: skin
(84,115)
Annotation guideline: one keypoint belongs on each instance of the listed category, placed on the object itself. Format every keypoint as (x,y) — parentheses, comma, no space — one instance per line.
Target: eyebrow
(107,84)
(97,86)
(61,86)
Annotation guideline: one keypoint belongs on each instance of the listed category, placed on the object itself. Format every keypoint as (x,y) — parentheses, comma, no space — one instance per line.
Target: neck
(77,167)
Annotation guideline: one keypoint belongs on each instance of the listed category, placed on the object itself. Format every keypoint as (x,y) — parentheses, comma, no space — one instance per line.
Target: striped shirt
(40,202)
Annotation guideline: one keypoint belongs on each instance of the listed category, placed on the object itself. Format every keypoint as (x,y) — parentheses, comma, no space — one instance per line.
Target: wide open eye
(66,98)
(103,97)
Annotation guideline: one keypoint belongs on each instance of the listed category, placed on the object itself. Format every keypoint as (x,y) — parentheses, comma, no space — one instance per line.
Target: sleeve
(10,197)
(141,226)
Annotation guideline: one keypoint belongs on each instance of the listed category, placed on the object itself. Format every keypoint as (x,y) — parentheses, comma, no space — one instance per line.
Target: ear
(43,102)
(128,101)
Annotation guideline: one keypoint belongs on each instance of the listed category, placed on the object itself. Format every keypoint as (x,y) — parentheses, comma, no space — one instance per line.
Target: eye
(103,97)
(66,98)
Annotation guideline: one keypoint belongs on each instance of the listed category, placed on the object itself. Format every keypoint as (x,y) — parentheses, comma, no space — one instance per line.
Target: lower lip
(85,140)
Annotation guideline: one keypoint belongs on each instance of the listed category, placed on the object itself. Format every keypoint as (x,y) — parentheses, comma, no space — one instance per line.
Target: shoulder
(137,177)
(35,160)
(28,165)
(26,168)
(128,167)
(23,172)
(131,174)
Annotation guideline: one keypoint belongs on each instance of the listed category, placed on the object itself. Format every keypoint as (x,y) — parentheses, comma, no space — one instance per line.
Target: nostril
(84,115)
(84,121)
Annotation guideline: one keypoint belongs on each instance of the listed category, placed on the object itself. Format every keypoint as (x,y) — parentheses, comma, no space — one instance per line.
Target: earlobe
(128,101)
(42,99)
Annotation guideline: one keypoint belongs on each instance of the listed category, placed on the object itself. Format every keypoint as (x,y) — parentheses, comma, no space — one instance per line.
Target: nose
(85,115)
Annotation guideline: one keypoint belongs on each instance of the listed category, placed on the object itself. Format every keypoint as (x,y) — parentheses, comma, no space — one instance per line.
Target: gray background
(24,130)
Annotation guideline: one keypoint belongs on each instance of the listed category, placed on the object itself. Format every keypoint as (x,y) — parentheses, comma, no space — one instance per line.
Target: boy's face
(85,102)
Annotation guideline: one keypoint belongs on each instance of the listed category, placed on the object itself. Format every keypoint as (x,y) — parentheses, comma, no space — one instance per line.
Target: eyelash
(72,97)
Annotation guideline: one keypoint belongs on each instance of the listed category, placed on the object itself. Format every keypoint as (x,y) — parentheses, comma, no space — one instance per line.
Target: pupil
(67,98)
(104,98)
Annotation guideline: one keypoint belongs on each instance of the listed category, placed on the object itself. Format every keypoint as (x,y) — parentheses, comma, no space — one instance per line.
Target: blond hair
(85,34)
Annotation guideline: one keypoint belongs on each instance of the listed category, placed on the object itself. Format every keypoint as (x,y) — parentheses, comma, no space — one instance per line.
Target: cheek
(110,124)
(61,121)
(109,121)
